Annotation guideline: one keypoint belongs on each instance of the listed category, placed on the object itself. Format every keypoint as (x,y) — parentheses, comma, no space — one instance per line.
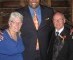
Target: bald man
(61,43)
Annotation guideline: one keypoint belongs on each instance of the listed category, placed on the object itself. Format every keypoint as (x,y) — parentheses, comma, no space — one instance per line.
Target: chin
(34,5)
(16,31)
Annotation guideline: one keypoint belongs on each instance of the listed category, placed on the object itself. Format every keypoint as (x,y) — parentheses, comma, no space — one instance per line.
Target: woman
(11,47)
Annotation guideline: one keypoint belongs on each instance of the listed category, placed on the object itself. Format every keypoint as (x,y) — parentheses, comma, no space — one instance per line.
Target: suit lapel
(51,44)
(30,19)
(52,41)
(42,18)
(63,34)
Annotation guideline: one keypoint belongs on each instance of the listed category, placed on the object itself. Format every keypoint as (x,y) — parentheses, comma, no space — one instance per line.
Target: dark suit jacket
(66,52)
(29,33)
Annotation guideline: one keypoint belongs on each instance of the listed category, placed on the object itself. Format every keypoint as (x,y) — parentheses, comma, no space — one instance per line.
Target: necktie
(35,20)
(57,33)
(56,46)
(57,38)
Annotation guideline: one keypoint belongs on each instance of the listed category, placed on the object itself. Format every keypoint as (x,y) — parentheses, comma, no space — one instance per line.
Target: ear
(64,20)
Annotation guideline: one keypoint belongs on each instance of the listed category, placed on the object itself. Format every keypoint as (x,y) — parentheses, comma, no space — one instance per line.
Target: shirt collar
(59,30)
(37,9)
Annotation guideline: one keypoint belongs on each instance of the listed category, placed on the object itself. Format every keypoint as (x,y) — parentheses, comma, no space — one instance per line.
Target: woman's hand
(1,37)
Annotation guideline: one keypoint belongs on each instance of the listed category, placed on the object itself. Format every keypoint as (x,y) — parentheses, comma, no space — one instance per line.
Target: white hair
(14,15)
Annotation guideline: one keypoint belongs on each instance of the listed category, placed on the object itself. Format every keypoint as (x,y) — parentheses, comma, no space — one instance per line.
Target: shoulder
(68,36)
(47,11)
(22,10)
(4,32)
(46,8)
(67,31)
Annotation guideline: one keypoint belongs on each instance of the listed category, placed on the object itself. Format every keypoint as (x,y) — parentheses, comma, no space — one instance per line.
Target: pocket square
(47,19)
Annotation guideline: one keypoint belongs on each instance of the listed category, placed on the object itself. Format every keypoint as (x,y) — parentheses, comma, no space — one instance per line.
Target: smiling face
(15,25)
(58,20)
(33,3)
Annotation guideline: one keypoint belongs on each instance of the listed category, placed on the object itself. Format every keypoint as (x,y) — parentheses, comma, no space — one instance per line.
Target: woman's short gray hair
(14,15)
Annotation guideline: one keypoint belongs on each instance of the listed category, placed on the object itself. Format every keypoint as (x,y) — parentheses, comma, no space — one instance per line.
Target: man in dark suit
(31,35)
(61,44)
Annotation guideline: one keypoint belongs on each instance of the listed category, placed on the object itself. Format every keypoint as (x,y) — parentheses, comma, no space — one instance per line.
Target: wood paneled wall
(7,6)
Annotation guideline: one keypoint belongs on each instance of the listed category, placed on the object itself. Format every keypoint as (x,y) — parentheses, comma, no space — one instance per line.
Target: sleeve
(9,47)
(71,48)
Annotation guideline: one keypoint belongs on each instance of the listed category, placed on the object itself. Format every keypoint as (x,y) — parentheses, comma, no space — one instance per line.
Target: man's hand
(71,31)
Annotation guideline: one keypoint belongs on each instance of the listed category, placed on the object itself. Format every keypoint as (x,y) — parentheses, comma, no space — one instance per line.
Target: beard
(34,5)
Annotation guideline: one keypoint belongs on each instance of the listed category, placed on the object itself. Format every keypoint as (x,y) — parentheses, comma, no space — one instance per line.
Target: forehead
(58,15)
(16,20)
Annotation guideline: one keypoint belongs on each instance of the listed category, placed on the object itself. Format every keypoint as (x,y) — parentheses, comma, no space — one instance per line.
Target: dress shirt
(38,12)
(60,30)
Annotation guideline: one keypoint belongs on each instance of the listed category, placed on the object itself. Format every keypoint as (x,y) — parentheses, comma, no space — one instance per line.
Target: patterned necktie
(35,20)
(56,47)
(57,33)
(57,38)
(36,23)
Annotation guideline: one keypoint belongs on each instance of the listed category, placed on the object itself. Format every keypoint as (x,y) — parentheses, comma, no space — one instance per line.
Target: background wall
(7,6)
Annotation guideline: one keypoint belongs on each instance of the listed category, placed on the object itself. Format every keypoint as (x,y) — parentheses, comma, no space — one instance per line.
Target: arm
(71,47)
(1,31)
(1,37)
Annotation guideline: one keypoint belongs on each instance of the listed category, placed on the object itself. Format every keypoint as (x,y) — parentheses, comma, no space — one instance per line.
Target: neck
(12,34)
(60,28)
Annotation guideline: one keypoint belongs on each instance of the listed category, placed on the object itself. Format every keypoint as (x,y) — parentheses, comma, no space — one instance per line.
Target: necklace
(12,35)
